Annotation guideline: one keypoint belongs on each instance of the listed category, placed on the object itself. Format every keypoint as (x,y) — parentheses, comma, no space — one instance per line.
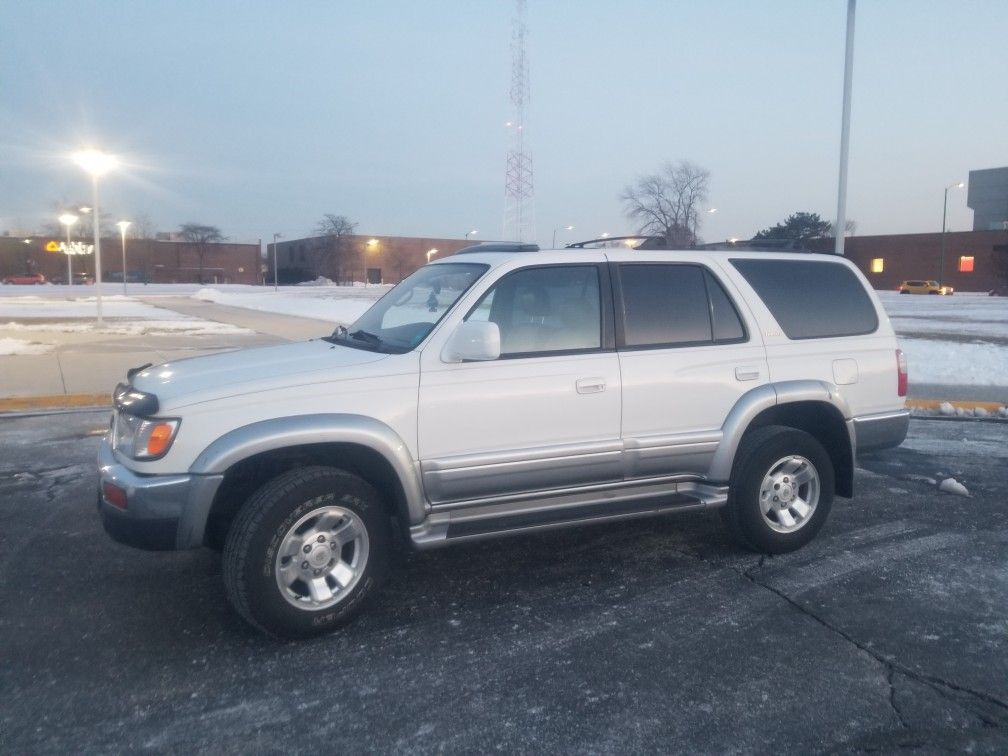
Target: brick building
(973,260)
(376,259)
(150,260)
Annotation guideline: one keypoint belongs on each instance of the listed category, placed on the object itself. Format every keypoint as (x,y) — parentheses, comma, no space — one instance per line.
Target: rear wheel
(305,551)
(781,490)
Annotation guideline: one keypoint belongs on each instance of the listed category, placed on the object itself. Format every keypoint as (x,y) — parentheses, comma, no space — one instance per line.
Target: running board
(547,512)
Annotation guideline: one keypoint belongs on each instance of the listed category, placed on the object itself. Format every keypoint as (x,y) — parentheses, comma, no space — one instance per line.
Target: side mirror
(473,340)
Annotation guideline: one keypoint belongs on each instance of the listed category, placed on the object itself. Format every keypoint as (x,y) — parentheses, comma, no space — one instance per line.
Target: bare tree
(201,237)
(142,227)
(669,203)
(331,253)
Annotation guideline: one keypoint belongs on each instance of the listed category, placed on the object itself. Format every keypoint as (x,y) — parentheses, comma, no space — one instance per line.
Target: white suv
(498,392)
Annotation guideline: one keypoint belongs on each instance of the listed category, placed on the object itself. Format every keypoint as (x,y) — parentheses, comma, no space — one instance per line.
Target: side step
(549,511)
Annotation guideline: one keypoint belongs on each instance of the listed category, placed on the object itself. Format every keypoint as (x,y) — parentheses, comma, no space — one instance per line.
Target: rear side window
(675,305)
(811,299)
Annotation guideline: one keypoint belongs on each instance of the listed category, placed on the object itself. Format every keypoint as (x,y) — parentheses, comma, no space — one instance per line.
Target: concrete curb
(56,402)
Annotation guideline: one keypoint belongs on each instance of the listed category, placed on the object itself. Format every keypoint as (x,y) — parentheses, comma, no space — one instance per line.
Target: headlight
(144,438)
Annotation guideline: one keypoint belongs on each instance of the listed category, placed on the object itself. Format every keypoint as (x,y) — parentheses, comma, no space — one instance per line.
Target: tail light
(901,373)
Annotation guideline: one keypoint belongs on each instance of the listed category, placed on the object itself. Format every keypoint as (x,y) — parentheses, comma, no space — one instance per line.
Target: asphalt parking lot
(889,632)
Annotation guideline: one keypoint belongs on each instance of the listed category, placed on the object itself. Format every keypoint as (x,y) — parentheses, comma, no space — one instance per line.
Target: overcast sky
(258,117)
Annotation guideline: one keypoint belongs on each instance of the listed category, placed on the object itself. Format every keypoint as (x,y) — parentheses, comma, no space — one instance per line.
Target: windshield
(402,318)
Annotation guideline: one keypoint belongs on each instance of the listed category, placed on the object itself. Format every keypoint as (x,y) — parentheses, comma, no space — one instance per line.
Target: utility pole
(519,208)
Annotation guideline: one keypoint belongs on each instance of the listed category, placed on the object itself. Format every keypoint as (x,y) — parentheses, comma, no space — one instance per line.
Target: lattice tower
(519,207)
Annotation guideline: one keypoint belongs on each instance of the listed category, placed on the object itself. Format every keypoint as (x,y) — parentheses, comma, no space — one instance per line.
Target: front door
(546,414)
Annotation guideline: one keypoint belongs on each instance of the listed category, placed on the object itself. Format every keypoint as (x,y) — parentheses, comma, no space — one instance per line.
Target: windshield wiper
(365,336)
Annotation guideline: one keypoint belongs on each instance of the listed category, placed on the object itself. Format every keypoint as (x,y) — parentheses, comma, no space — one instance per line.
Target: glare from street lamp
(85,209)
(430,253)
(605,235)
(95,162)
(711,210)
(372,242)
(123,225)
(68,219)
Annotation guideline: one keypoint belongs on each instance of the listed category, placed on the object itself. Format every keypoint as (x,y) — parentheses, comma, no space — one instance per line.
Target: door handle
(590,385)
(746,373)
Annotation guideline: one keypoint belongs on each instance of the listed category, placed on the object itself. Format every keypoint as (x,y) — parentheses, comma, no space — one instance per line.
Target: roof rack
(498,247)
(758,245)
(638,241)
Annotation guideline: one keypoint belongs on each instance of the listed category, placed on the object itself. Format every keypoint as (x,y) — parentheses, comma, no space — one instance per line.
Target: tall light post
(68,219)
(123,225)
(276,286)
(941,264)
(97,163)
(838,242)
(557,228)
(471,233)
(431,252)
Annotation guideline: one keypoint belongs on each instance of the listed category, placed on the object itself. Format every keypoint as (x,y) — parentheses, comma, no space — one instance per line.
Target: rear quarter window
(811,299)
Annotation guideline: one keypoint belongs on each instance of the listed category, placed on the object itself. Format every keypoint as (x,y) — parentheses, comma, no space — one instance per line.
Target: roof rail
(498,247)
(638,241)
(758,245)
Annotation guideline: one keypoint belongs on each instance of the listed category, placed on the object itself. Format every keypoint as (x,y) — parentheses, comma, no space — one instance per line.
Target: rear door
(688,350)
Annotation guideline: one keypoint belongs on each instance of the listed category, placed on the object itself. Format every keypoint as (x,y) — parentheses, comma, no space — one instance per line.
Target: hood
(246,371)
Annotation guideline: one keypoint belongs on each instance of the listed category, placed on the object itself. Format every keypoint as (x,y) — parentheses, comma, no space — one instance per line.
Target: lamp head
(95,162)
(123,225)
(68,219)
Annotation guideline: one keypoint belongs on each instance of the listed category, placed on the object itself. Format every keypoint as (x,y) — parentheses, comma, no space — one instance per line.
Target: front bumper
(162,512)
(883,431)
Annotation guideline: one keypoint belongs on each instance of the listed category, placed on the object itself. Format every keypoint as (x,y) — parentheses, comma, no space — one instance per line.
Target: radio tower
(519,209)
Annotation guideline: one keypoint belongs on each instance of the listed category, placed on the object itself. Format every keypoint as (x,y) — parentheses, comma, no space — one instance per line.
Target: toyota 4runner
(498,392)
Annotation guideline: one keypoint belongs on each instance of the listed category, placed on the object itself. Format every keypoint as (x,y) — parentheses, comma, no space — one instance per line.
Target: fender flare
(763,397)
(297,430)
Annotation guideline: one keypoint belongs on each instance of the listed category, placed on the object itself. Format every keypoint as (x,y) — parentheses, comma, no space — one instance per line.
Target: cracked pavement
(889,632)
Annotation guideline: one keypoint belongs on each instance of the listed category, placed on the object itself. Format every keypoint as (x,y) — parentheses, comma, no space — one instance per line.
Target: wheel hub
(789,493)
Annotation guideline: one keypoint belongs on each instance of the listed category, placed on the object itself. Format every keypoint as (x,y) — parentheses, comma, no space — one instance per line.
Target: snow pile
(946,409)
(320,281)
(953,486)
(9,347)
(65,308)
(333,304)
(180,326)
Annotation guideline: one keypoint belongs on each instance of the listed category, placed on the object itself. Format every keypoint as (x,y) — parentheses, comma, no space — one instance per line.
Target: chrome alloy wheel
(322,558)
(789,494)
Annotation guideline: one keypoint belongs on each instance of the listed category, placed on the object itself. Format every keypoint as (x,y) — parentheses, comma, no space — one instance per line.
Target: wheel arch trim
(761,398)
(298,430)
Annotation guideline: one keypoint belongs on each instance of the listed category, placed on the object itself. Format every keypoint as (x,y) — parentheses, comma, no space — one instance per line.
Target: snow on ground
(182,326)
(123,316)
(333,304)
(9,347)
(60,307)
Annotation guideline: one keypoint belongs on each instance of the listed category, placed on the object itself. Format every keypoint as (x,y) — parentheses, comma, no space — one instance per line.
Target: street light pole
(276,286)
(96,163)
(68,219)
(555,229)
(838,232)
(123,225)
(474,231)
(941,259)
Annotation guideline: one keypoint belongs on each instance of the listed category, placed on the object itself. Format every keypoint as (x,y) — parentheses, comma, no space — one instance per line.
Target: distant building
(147,260)
(988,198)
(973,260)
(375,259)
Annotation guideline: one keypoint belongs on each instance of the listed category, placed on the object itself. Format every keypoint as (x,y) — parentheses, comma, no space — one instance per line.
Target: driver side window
(545,310)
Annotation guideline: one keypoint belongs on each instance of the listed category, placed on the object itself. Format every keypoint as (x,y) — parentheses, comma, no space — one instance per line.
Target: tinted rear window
(811,299)
(664,304)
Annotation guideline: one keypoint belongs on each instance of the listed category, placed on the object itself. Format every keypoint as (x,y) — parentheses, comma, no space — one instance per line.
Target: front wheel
(781,490)
(305,551)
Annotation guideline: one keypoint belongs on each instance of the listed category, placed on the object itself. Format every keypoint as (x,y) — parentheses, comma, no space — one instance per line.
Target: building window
(877,265)
(966,264)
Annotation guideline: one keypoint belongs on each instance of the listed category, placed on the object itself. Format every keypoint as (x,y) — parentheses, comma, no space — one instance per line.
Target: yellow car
(923,287)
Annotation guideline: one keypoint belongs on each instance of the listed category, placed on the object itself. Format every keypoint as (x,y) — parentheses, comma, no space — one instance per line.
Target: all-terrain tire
(762,452)
(271,519)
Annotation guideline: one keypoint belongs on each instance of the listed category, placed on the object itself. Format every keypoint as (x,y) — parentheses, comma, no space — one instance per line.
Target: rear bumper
(882,431)
(162,512)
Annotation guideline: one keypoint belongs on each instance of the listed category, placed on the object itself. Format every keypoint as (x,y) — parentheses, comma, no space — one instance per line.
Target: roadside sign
(52,246)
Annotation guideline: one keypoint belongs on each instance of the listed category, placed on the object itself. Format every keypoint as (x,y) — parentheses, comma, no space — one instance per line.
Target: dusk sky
(259,117)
